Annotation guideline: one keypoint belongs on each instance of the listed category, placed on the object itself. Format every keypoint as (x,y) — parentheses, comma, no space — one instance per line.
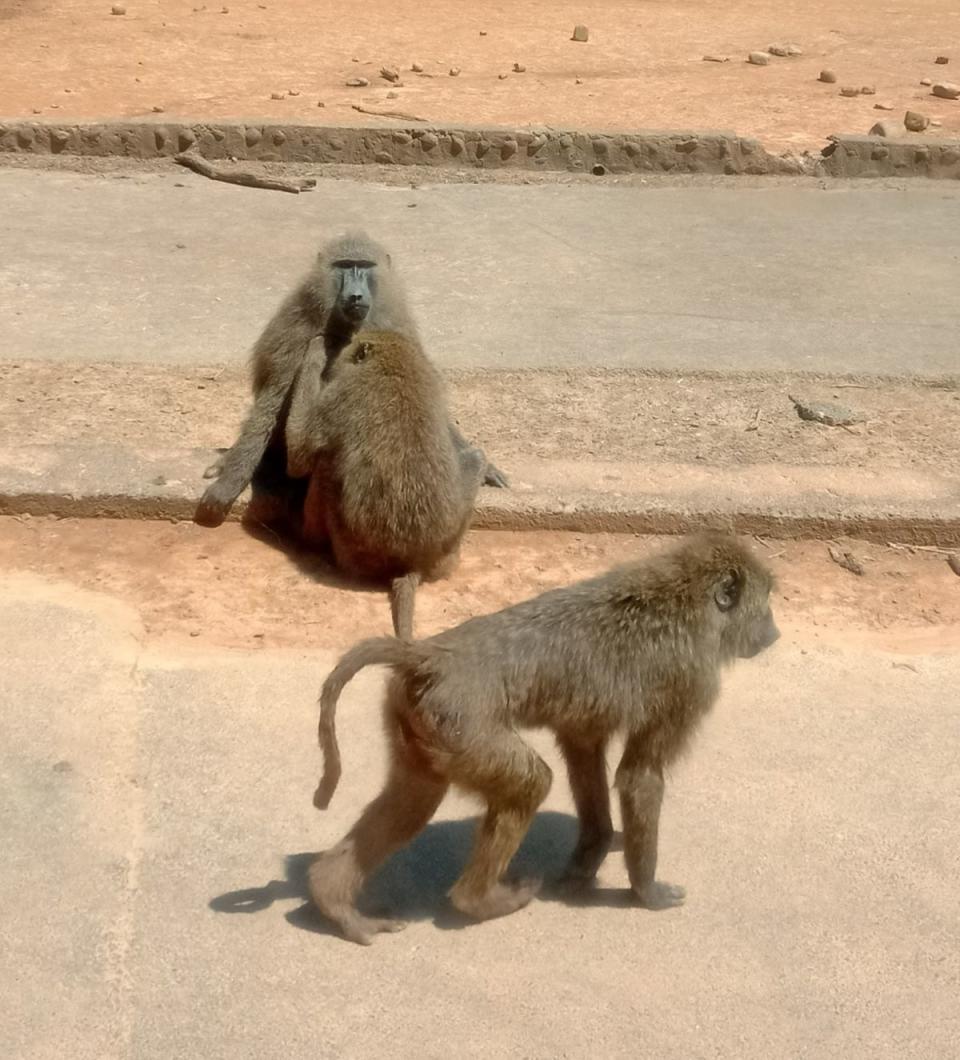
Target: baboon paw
(363,929)
(500,900)
(658,895)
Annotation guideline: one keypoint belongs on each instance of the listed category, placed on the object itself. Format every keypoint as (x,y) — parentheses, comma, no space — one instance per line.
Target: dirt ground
(236,590)
(642,67)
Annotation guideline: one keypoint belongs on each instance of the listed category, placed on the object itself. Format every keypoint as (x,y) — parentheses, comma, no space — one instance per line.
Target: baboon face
(355,284)
(743,598)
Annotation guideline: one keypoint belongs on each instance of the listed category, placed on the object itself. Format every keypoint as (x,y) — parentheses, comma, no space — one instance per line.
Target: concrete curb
(465,147)
(785,502)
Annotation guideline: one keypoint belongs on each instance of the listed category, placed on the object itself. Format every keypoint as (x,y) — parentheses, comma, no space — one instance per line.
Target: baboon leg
(492,475)
(238,464)
(314,528)
(408,801)
(587,769)
(640,784)
(514,779)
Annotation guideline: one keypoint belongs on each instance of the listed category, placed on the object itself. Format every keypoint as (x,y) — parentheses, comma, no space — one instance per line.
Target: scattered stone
(293,91)
(825,412)
(716,58)
(578,81)
(926,81)
(934,123)
(502,77)
(37,110)
(845,559)
(483,33)
(784,51)
(915,121)
(581,34)
(224,10)
(356,82)
(519,68)
(828,77)
(157,110)
(946,90)
(942,60)
(759,58)
(390,73)
(953,562)
(868,90)
(883,106)
(276,95)
(849,90)
(794,49)
(118,9)
(428,141)
(393,95)
(885,128)
(416,68)
(454,71)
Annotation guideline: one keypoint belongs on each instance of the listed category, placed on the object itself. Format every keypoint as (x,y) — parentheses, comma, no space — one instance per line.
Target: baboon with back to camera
(352,282)
(389,489)
(637,651)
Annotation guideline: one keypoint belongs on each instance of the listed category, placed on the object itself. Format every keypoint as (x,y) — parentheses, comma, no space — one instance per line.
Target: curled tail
(403,592)
(386,650)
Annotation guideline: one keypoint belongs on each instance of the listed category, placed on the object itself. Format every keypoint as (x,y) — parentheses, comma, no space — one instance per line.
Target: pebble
(519,68)
(828,77)
(276,95)
(578,81)
(716,58)
(826,412)
(393,95)
(416,68)
(581,34)
(293,91)
(883,106)
(926,81)
(942,60)
(849,90)
(320,103)
(118,9)
(915,121)
(784,50)
(388,73)
(868,90)
(157,110)
(946,90)
(501,77)
(758,58)
(887,127)
(357,82)
(454,71)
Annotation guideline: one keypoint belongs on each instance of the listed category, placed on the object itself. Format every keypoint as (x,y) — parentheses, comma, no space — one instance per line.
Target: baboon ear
(727,592)
(360,353)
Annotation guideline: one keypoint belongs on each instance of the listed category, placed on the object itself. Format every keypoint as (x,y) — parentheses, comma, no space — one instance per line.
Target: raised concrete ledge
(780,501)
(878,156)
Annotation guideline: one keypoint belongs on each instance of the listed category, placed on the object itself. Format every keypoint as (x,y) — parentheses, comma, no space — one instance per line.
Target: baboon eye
(726,593)
(362,351)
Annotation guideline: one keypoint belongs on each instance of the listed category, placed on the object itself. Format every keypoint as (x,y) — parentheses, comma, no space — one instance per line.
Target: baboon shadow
(413,884)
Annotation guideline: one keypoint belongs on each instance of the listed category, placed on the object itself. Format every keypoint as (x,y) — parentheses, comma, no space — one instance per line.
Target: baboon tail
(387,650)
(403,593)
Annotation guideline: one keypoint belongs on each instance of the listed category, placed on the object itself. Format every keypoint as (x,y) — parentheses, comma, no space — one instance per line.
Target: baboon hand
(214,505)
(658,895)
(493,476)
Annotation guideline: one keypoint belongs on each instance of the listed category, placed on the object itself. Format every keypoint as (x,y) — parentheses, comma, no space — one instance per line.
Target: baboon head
(742,596)
(354,264)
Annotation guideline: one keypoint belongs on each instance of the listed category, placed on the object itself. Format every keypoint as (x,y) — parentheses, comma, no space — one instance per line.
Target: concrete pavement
(156,815)
(857,279)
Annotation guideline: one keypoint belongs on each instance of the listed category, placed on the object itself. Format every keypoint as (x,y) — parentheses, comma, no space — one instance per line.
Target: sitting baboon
(389,489)
(636,651)
(352,282)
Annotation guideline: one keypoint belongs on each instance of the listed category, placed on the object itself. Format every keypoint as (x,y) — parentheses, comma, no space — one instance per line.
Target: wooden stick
(387,113)
(240,176)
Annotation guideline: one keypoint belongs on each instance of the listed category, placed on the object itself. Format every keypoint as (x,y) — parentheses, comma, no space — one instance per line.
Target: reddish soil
(226,588)
(642,67)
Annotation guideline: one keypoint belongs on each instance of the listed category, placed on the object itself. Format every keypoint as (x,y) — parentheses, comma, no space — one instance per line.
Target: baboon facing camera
(636,652)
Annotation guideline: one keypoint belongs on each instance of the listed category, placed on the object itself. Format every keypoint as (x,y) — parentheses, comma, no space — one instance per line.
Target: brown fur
(635,652)
(311,314)
(392,492)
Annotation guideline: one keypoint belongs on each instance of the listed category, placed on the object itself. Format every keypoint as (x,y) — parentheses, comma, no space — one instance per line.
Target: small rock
(934,123)
(946,90)
(118,9)
(825,412)
(915,121)
(784,50)
(389,73)
(37,110)
(224,10)
(157,110)
(868,90)
(293,91)
(716,58)
(356,82)
(828,77)
(393,95)
(886,128)
(942,60)
(416,68)
(845,559)
(519,68)
(578,81)
(483,33)
(580,33)
(849,90)
(276,95)
(454,71)
(501,77)
(794,49)
(320,103)
(927,81)
(883,106)
(759,58)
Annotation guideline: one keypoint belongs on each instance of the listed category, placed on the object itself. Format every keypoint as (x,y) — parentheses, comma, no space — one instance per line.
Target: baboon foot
(660,895)
(493,476)
(501,900)
(214,505)
(362,929)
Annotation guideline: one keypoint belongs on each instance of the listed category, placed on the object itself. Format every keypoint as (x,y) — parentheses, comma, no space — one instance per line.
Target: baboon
(389,489)
(352,282)
(636,652)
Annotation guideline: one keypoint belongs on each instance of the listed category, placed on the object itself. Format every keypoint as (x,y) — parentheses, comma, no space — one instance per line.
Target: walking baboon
(636,651)
(388,487)
(352,282)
